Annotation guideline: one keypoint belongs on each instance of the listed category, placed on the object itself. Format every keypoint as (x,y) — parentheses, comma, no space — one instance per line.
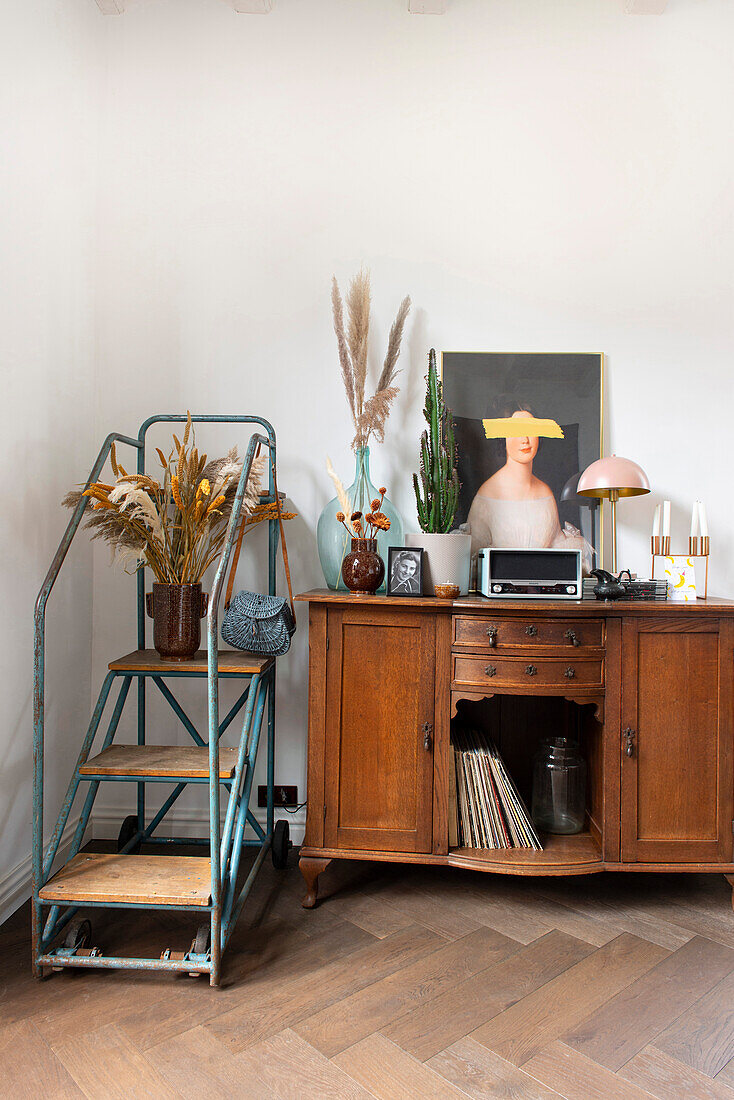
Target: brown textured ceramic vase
(363,569)
(176,611)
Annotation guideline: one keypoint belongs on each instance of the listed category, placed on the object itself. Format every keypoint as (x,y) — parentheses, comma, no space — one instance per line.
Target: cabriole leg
(311,868)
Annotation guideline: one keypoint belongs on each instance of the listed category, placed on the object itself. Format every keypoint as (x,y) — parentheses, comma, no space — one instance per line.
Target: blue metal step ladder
(203,885)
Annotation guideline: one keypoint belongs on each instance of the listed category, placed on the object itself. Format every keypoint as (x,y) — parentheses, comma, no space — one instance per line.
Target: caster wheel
(78,933)
(201,944)
(128,829)
(281,845)
(203,939)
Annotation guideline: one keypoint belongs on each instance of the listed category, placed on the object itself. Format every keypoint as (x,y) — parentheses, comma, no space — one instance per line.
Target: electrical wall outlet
(282,795)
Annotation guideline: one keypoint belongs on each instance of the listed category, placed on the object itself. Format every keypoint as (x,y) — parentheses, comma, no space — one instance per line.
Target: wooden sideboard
(647,687)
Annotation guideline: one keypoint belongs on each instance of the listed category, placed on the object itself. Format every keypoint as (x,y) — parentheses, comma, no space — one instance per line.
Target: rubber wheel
(128,829)
(201,945)
(78,933)
(202,940)
(281,845)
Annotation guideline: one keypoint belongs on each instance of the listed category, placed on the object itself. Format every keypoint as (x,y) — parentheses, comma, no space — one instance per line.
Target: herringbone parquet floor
(406,982)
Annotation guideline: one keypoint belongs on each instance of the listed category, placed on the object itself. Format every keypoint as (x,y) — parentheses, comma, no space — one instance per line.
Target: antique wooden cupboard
(647,688)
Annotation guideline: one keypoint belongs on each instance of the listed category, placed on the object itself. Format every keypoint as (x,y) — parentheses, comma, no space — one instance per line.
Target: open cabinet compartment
(517,724)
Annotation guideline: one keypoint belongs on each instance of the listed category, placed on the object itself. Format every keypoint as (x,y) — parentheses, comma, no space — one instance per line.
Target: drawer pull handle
(531,670)
(531,630)
(572,637)
(492,635)
(427,736)
(490,670)
(629,741)
(570,673)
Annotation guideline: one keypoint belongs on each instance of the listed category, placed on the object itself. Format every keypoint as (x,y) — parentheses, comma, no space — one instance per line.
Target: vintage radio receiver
(530,574)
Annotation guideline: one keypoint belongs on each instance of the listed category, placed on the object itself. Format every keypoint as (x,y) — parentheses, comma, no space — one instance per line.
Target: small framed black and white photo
(404,571)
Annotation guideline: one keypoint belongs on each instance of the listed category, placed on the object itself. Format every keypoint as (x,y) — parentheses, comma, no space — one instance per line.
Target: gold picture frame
(525,370)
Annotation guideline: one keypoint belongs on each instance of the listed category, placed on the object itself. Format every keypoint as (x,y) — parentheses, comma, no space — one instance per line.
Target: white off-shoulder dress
(523,523)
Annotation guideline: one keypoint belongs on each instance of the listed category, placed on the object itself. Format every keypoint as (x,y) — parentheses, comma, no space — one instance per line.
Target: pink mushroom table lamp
(612,478)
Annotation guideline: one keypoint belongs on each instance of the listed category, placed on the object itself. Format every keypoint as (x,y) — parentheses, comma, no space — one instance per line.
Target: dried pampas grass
(358,308)
(369,416)
(374,415)
(389,369)
(345,361)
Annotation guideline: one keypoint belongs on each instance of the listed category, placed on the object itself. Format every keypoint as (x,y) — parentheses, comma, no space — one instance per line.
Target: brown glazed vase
(176,611)
(363,570)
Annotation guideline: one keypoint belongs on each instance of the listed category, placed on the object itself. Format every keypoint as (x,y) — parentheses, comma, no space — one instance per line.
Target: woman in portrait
(404,577)
(514,508)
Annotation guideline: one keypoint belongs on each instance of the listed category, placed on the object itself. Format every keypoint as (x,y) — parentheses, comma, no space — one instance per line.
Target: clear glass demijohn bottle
(559,786)
(333,541)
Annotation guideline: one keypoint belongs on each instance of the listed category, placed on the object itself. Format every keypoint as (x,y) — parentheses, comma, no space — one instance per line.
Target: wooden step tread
(189,762)
(153,880)
(230,660)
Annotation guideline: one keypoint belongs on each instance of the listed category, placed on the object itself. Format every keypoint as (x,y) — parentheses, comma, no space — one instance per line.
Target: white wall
(538,176)
(49,94)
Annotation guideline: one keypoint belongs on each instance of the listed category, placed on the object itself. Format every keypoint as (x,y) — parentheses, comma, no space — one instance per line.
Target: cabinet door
(676,740)
(379,730)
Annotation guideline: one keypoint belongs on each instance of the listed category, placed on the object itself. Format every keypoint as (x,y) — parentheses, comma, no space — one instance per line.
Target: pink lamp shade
(613,477)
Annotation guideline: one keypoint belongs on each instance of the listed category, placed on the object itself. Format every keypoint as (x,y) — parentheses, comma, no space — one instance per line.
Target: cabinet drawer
(527,673)
(503,633)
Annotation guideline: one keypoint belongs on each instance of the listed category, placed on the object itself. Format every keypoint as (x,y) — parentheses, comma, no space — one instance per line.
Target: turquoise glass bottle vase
(333,541)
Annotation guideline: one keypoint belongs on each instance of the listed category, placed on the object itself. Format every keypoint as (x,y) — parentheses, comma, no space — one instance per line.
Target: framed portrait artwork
(404,571)
(527,426)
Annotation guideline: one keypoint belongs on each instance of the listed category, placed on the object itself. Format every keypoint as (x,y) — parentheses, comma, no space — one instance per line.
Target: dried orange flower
(382,490)
(355,515)
(340,517)
(374,504)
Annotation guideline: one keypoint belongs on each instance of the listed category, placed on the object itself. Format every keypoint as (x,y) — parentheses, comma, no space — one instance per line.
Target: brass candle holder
(698,547)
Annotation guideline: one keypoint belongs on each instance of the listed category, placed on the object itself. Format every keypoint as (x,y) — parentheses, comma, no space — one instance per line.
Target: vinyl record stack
(489,811)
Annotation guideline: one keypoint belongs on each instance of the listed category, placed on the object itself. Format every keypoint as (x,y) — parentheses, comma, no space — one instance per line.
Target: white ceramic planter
(447,559)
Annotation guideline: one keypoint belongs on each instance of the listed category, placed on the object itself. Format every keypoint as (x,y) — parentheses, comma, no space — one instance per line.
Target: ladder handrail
(73,524)
(256,442)
(39,645)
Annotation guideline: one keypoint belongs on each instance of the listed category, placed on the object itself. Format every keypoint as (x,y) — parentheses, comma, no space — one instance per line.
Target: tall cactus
(437,486)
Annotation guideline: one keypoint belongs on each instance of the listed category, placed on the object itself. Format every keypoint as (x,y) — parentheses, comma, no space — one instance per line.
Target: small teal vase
(333,541)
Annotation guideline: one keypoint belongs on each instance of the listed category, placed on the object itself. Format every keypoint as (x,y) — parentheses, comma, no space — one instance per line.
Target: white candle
(703,520)
(666,519)
(656,523)
(695,520)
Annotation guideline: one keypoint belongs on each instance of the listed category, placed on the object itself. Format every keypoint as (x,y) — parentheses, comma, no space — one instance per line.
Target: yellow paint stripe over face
(517,427)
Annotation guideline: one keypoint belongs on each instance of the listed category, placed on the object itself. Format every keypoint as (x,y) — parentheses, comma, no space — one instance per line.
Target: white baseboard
(192,823)
(16,885)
